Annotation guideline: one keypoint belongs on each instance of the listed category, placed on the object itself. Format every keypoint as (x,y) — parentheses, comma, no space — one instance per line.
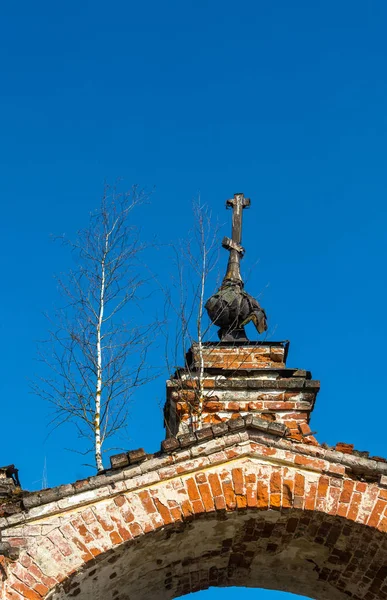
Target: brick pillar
(239,379)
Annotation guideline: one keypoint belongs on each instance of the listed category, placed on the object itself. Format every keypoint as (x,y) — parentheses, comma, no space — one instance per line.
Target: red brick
(238,479)
(123,531)
(251,493)
(41,589)
(214,482)
(120,500)
(232,452)
(255,406)
(220,503)
(275,482)
(234,406)
(85,552)
(287,493)
(334,494)
(187,509)
(342,509)
(176,514)
(310,498)
(262,494)
(209,383)
(212,406)
(323,485)
(345,448)
(268,451)
(304,428)
(135,529)
(201,478)
(24,575)
(228,492)
(163,511)
(36,572)
(299,484)
(198,507)
(147,501)
(81,528)
(192,489)
(383,525)
(25,591)
(241,502)
(207,498)
(378,509)
(354,506)
(346,494)
(105,524)
(275,500)
(312,463)
(361,487)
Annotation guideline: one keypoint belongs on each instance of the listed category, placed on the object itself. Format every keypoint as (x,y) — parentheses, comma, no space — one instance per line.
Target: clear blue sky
(285,101)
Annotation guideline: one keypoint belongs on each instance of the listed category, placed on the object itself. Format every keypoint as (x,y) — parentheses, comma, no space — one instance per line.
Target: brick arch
(233,511)
(309,554)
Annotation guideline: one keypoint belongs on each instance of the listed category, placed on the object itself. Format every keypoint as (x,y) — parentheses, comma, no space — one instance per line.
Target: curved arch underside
(306,553)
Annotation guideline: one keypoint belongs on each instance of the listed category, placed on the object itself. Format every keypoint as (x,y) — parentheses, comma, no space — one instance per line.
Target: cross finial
(231,307)
(238,203)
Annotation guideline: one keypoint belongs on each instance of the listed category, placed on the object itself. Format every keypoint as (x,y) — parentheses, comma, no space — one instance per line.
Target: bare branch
(97,359)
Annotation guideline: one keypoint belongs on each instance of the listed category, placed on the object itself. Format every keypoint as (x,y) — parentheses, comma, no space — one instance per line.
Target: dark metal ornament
(231,308)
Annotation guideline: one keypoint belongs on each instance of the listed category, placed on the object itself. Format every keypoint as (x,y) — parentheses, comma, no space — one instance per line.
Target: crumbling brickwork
(241,379)
(250,499)
(242,508)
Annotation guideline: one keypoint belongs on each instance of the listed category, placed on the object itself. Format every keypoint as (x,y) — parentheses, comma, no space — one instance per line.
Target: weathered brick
(299,485)
(204,434)
(187,440)
(215,484)
(119,460)
(206,497)
(192,489)
(262,494)
(170,444)
(238,481)
(345,448)
(163,511)
(346,494)
(228,491)
(136,456)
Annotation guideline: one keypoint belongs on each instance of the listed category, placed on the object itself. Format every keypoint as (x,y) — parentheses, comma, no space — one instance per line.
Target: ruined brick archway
(232,510)
(261,550)
(251,499)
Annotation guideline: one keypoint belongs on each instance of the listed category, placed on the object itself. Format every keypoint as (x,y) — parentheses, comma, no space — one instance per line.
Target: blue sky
(285,101)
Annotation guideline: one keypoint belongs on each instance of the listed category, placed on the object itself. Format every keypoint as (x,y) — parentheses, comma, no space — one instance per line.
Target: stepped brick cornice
(240,379)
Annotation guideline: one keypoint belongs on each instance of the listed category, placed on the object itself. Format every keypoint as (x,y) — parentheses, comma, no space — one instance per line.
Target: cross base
(233,335)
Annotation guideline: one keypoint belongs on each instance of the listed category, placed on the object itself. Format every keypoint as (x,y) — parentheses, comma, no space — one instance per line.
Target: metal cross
(238,203)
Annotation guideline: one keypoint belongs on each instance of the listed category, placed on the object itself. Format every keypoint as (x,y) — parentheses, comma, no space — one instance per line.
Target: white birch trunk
(200,338)
(98,391)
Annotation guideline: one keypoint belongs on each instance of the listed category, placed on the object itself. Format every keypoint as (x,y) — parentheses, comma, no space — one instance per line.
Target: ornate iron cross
(238,203)
(231,307)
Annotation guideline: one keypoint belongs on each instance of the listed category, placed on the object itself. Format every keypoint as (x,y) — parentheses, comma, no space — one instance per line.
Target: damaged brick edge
(172,444)
(8,551)
(233,433)
(257,383)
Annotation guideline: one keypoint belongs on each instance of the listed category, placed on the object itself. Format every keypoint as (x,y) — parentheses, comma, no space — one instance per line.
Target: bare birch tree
(95,353)
(195,259)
